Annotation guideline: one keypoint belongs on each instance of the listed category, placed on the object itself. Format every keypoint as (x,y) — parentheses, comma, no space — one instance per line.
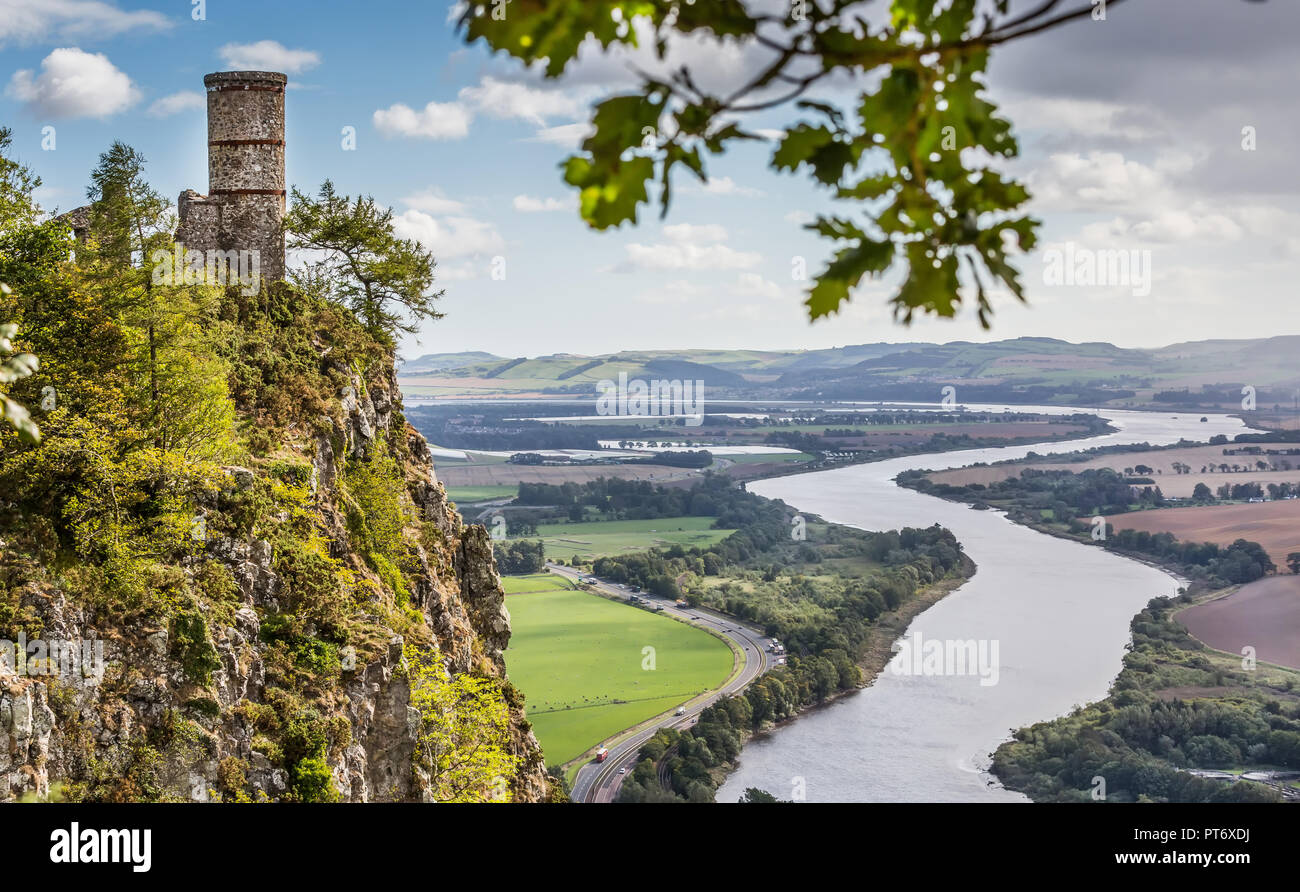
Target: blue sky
(1129,144)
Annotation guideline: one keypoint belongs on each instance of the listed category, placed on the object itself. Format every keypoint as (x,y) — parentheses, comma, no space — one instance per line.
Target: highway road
(599,781)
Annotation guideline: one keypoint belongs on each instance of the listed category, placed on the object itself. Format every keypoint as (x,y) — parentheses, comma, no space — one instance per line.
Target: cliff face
(279,665)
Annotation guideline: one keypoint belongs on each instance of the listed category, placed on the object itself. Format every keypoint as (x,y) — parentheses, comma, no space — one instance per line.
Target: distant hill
(442,362)
(1016,370)
(682,370)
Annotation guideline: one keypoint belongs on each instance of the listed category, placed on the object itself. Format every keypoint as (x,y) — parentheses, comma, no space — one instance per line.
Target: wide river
(1058,610)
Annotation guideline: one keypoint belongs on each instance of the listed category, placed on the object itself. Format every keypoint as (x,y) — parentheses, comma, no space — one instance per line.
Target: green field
(599,538)
(578,659)
(537,582)
(466,495)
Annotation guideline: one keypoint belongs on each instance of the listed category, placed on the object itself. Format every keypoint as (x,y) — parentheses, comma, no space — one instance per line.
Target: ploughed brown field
(1264,615)
(1170,482)
(1017,430)
(505,473)
(1274,525)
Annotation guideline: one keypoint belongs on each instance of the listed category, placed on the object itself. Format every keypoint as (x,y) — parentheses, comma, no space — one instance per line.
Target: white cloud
(688,232)
(1262,220)
(1083,117)
(567,135)
(185,100)
(432,201)
(728,186)
(457,272)
(754,285)
(450,236)
(439,223)
(268,55)
(686,255)
(438,120)
(494,98)
(799,218)
(74,84)
(508,99)
(694,246)
(529,205)
(675,292)
(1193,224)
(1073,182)
(32,21)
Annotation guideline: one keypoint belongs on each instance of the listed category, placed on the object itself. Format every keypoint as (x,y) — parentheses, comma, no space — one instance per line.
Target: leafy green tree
(20,365)
(519,556)
(365,265)
(185,396)
(17,183)
(129,221)
(128,217)
(462,745)
(913,153)
(1293,561)
(17,212)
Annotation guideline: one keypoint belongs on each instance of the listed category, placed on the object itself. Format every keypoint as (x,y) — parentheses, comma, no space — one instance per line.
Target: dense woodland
(519,556)
(612,498)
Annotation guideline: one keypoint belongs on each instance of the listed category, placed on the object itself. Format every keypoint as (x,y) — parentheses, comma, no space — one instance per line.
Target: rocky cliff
(268,657)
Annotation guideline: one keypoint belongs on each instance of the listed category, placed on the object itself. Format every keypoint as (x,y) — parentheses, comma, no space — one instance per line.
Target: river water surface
(1059,611)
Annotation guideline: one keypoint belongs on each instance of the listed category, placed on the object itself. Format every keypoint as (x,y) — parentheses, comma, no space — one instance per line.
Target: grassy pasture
(466,495)
(536,582)
(581,662)
(598,538)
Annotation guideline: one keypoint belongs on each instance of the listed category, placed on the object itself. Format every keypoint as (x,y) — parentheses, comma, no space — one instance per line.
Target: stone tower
(245,204)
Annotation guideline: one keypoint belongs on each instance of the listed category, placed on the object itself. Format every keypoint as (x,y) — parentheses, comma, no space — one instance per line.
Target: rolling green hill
(442,362)
(1019,370)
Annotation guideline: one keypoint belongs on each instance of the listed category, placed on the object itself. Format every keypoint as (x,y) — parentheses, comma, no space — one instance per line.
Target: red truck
(602,754)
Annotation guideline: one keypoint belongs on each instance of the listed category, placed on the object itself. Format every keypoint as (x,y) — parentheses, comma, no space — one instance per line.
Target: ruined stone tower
(245,204)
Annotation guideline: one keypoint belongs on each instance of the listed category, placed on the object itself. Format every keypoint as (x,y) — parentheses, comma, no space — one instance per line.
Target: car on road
(681,710)
(622,771)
